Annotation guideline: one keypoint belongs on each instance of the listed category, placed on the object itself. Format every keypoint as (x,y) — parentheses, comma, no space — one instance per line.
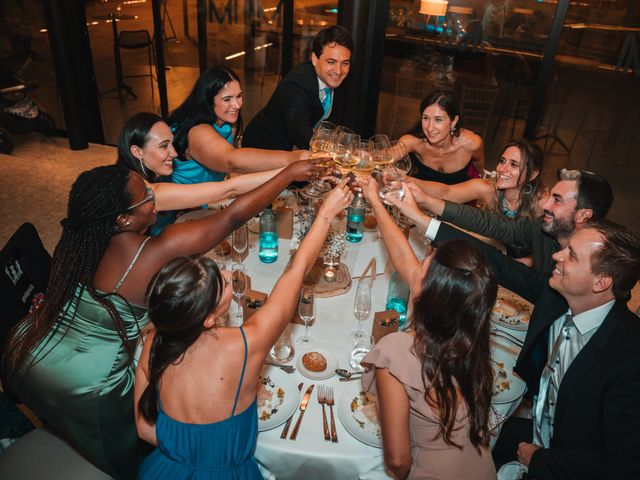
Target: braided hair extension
(451,320)
(97,197)
(180,297)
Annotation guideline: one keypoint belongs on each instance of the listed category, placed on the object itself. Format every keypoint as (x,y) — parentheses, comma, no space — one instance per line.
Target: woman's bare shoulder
(410,141)
(469,140)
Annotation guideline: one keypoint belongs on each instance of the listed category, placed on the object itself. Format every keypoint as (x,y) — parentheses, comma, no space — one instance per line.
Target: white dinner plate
(330,371)
(352,416)
(511,311)
(284,400)
(507,387)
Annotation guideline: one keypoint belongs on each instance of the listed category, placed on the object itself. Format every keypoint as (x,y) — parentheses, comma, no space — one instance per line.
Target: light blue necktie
(541,433)
(326,103)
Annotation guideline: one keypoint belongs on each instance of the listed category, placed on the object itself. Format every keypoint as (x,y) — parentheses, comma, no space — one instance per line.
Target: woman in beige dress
(434,381)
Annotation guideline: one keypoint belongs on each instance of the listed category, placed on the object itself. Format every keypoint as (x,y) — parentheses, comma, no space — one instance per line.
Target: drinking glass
(347,138)
(361,305)
(391,184)
(238,286)
(381,151)
(283,351)
(219,254)
(240,241)
(361,346)
(306,310)
(327,125)
(401,159)
(322,144)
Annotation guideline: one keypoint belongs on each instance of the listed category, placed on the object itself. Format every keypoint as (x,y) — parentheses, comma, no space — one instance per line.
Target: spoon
(347,375)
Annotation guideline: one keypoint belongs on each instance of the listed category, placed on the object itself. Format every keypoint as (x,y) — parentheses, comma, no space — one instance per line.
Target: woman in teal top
(190,364)
(71,360)
(146,147)
(208,127)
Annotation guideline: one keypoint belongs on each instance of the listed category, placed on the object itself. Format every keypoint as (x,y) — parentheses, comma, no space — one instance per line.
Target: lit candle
(330,274)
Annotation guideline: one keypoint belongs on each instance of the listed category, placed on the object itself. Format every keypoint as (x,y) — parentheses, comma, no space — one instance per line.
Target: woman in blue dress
(208,127)
(196,382)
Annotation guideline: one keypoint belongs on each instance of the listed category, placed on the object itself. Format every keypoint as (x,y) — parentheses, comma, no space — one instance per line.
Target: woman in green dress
(71,361)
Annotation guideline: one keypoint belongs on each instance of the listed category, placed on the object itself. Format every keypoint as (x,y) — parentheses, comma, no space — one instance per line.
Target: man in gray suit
(576,198)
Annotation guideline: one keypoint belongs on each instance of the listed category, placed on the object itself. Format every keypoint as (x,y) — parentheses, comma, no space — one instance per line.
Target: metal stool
(133,40)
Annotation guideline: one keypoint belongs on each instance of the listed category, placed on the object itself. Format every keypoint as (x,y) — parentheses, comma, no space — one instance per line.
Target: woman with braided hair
(72,360)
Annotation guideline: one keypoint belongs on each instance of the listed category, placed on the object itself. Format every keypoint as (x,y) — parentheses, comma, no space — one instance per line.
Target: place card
(384,323)
(251,302)
(285,222)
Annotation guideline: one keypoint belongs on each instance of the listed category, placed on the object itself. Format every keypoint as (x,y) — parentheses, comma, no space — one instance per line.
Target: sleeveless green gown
(82,384)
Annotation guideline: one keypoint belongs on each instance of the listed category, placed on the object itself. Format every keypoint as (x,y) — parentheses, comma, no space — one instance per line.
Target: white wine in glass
(238,286)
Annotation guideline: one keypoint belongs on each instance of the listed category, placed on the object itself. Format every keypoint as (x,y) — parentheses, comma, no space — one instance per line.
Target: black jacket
(292,112)
(597,420)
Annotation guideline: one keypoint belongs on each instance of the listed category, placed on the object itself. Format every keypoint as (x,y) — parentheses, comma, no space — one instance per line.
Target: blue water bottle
(397,298)
(355,219)
(268,236)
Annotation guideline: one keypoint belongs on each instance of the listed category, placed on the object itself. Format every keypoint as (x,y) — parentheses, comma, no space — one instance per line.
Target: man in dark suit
(577,197)
(310,93)
(580,354)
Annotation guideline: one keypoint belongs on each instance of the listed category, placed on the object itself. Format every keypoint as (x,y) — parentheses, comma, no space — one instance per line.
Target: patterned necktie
(541,432)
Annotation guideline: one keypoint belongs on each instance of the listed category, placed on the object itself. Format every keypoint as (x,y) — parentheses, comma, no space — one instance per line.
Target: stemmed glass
(363,152)
(361,306)
(240,241)
(381,151)
(327,125)
(322,144)
(306,310)
(238,285)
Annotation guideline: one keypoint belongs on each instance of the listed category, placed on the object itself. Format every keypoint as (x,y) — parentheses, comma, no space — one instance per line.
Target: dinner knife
(285,430)
(303,408)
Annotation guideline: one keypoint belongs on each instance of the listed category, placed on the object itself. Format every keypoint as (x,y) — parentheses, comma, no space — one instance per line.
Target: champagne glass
(240,241)
(361,305)
(238,285)
(306,310)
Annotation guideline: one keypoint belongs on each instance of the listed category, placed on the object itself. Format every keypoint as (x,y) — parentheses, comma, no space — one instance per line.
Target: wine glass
(322,144)
(361,305)
(240,241)
(365,164)
(327,125)
(306,310)
(238,285)
(382,154)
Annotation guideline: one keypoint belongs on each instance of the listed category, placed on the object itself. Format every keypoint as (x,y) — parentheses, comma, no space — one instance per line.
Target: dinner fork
(507,336)
(330,402)
(322,399)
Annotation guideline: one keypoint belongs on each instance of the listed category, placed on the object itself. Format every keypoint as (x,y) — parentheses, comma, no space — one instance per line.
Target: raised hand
(338,199)
(305,170)
(369,188)
(407,205)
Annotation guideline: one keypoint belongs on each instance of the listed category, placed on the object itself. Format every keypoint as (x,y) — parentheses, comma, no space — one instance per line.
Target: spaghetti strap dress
(79,379)
(222,450)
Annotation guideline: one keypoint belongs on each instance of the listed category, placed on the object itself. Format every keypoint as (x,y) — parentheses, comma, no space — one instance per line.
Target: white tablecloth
(310,456)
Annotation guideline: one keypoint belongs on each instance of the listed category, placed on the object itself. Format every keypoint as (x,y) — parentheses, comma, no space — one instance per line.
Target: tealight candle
(330,274)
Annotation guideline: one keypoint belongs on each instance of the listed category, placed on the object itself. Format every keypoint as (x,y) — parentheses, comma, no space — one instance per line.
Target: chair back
(26,266)
(133,39)
(476,107)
